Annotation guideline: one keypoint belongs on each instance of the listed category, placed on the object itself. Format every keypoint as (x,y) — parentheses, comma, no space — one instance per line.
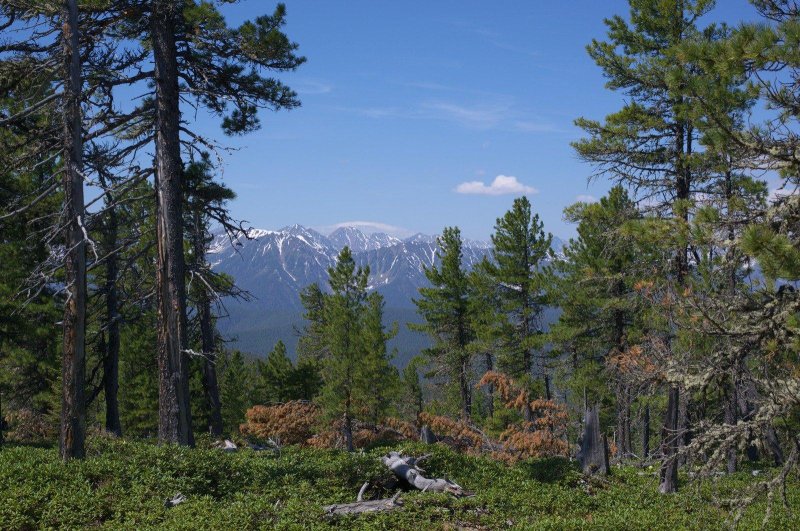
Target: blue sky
(407,105)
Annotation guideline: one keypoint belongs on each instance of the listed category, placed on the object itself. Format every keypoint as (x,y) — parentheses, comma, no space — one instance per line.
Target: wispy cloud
(369,227)
(586,198)
(502,185)
(499,114)
(373,112)
(480,116)
(312,87)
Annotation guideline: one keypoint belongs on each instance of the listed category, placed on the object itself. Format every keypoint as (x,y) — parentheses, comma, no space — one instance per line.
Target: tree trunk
(490,387)
(646,433)
(347,429)
(426,435)
(547,393)
(466,390)
(174,416)
(623,422)
(111,361)
(207,335)
(669,444)
(593,454)
(73,365)
(774,446)
(683,426)
(731,408)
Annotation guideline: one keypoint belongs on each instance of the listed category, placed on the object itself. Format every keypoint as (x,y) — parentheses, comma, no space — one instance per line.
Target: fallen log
(405,468)
(175,500)
(226,445)
(360,507)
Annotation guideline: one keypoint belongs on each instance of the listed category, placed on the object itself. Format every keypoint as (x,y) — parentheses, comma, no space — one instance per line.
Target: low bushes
(123,484)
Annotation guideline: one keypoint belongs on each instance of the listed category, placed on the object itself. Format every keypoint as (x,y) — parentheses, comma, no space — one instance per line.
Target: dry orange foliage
(463,435)
(290,423)
(632,361)
(408,430)
(363,435)
(543,436)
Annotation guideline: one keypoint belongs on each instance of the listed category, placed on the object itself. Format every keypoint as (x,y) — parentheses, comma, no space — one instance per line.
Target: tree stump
(593,455)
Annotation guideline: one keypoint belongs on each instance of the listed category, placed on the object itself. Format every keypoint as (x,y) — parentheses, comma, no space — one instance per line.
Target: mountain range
(274,266)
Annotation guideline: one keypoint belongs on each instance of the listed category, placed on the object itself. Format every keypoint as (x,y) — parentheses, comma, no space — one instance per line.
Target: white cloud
(502,185)
(369,227)
(585,198)
(312,87)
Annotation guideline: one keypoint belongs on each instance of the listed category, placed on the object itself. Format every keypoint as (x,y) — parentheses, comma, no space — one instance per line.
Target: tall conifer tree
(520,247)
(445,308)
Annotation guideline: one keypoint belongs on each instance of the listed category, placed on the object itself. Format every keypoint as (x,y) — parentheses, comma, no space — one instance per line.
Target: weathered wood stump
(593,455)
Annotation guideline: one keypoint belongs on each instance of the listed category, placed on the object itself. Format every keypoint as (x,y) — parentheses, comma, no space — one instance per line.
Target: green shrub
(123,484)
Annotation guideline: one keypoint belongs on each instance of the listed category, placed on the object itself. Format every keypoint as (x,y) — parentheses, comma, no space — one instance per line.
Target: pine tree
(595,287)
(206,203)
(650,143)
(275,377)
(217,68)
(445,308)
(235,389)
(343,308)
(376,371)
(517,272)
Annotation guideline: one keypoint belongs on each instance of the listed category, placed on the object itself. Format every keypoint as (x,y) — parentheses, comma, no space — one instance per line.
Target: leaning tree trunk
(73,365)
(669,444)
(174,416)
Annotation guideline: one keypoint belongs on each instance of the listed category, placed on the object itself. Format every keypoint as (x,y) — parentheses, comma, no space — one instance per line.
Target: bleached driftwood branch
(405,468)
(359,507)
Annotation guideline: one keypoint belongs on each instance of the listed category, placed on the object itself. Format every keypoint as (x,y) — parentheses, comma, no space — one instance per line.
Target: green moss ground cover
(123,484)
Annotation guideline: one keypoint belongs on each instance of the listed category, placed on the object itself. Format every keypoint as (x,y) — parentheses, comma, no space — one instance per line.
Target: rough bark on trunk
(73,364)
(669,444)
(174,417)
(593,454)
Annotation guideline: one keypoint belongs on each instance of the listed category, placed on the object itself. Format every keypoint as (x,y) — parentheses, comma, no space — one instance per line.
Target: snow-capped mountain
(360,242)
(275,266)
